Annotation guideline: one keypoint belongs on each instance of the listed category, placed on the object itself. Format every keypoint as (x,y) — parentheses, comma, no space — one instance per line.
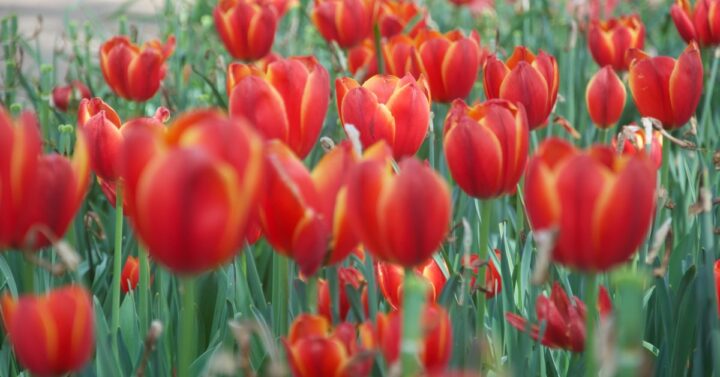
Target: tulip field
(354,188)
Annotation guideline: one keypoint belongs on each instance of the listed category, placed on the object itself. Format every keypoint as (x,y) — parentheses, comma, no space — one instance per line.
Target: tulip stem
(483,246)
(591,295)
(334,288)
(706,130)
(371,286)
(280,297)
(117,268)
(186,343)
(28,276)
(378,48)
(311,292)
(144,289)
(413,305)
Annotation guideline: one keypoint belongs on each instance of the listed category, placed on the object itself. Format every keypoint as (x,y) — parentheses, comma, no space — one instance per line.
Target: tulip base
(413,303)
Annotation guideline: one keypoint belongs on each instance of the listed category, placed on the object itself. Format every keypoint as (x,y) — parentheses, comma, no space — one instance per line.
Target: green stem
(311,292)
(334,285)
(591,295)
(144,289)
(378,49)
(186,344)
(371,286)
(117,267)
(709,87)
(484,246)
(280,296)
(28,276)
(413,307)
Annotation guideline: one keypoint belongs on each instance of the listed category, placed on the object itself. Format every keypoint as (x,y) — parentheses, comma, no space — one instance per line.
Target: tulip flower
(39,194)
(591,9)
(394,16)
(281,6)
(287,100)
(527,79)
(384,208)
(215,166)
(635,144)
(700,23)
(437,338)
(390,280)
(246,27)
(346,22)
(717,282)
(134,72)
(400,56)
(388,108)
(564,319)
(486,146)
(304,215)
(64,96)
(347,277)
(130,274)
(605,98)
(362,61)
(600,204)
(315,349)
(450,62)
(666,89)
(53,334)
(610,40)
(493,279)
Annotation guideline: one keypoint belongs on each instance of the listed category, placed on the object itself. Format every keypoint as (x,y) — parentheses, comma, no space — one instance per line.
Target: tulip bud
(493,279)
(605,98)
(486,146)
(130,274)
(133,72)
(700,23)
(400,56)
(390,280)
(64,96)
(53,334)
(717,282)
(635,144)
(246,27)
(610,40)
(666,89)
(346,22)
(525,78)
(347,277)
(395,16)
(362,61)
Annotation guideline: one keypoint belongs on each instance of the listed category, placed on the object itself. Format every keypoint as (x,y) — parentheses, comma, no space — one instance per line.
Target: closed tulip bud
(395,16)
(218,163)
(130,274)
(493,279)
(246,27)
(348,278)
(400,56)
(302,214)
(605,98)
(390,280)
(65,96)
(700,23)
(666,89)
(635,144)
(346,22)
(40,193)
(601,204)
(53,334)
(287,100)
(610,40)
(450,62)
(525,78)
(717,282)
(396,110)
(384,210)
(486,146)
(134,72)
(563,319)
(362,61)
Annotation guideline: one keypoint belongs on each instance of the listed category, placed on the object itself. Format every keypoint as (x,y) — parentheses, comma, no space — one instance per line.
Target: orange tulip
(486,146)
(605,98)
(130,274)
(400,56)
(610,40)
(287,100)
(527,79)
(493,279)
(133,72)
(65,96)
(666,89)
(346,22)
(315,349)
(636,145)
(362,61)
(303,214)
(600,203)
(394,16)
(384,211)
(347,277)
(390,280)
(700,23)
(216,166)
(246,27)
(53,334)
(386,108)
(39,194)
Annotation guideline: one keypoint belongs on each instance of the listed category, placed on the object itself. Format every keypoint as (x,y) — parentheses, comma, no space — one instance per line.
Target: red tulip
(39,194)
(386,108)
(287,100)
(717,282)
(64,96)
(600,203)
(384,212)
(130,274)
(610,40)
(493,279)
(53,334)
(362,61)
(486,146)
(281,6)
(303,214)
(636,145)
(347,277)
(666,89)
(215,166)
(133,72)
(527,79)
(700,23)
(564,319)
(400,56)
(246,27)
(390,280)
(394,16)
(346,22)
(605,98)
